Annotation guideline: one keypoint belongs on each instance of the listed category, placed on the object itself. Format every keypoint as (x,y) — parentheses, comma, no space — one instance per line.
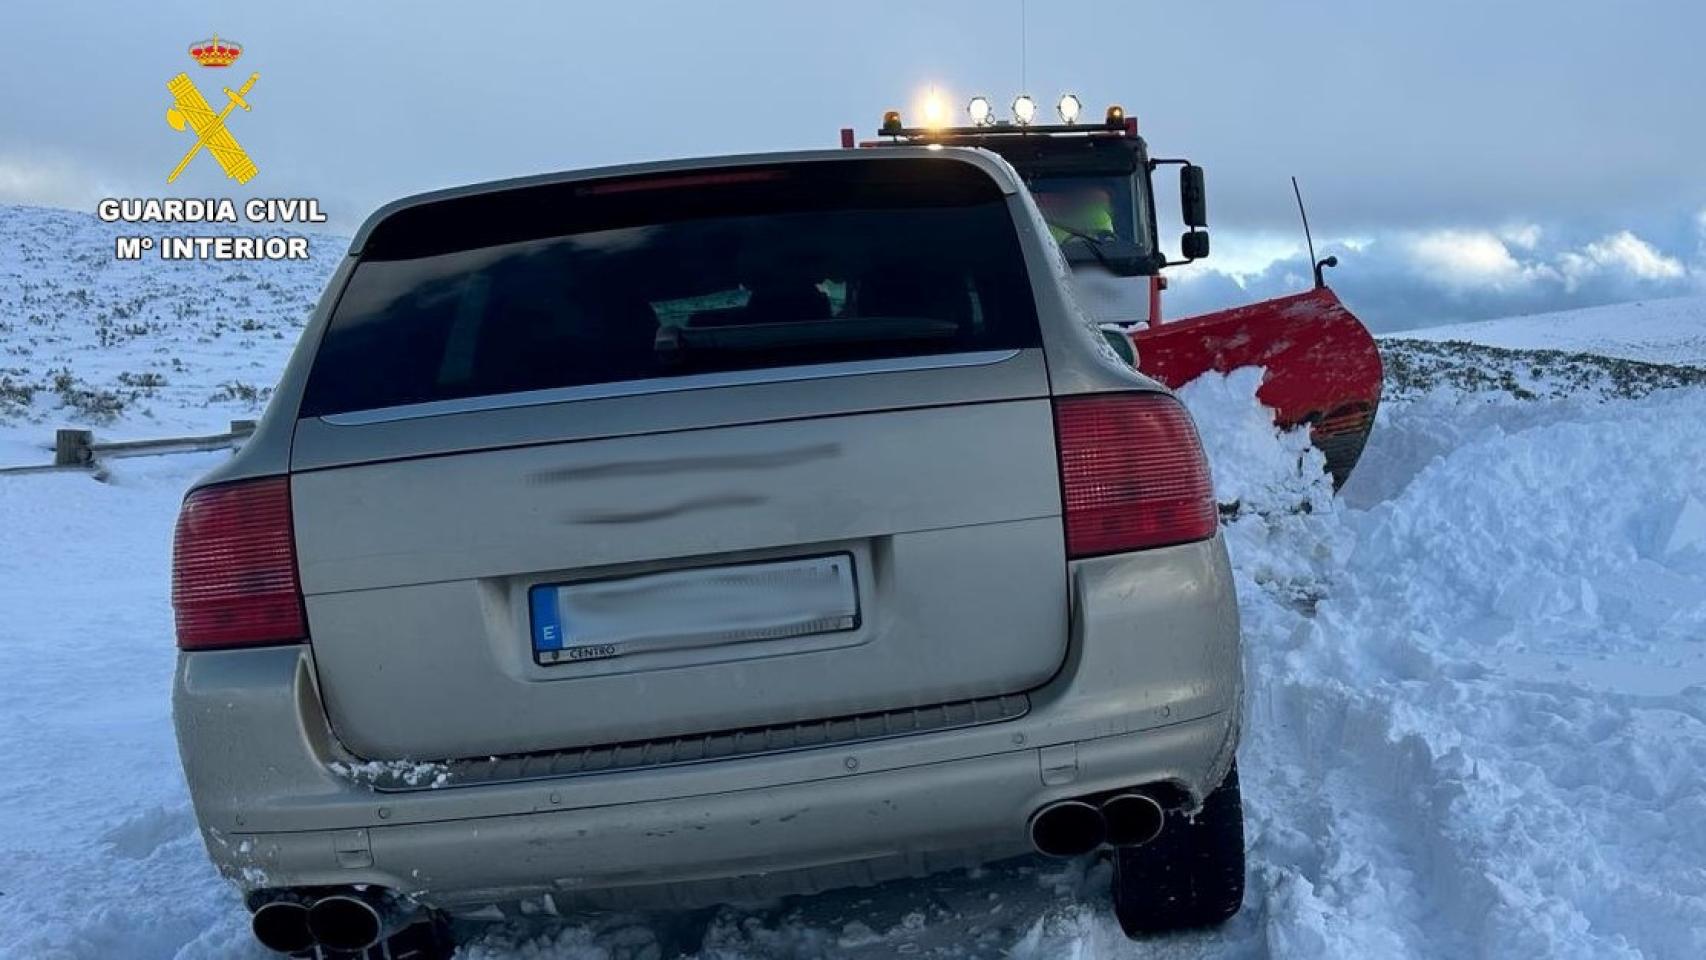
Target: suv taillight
(1132,473)
(234,567)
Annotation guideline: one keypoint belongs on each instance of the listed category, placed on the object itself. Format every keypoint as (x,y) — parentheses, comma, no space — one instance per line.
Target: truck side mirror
(1194,245)
(1193,197)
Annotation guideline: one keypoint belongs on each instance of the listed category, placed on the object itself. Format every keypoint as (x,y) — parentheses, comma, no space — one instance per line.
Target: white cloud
(24,182)
(1525,236)
(1240,255)
(1469,258)
(1480,259)
(1620,253)
(1243,256)
(1637,256)
(1462,273)
(48,183)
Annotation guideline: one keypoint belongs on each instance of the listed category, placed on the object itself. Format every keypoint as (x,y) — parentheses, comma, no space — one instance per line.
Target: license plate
(708,606)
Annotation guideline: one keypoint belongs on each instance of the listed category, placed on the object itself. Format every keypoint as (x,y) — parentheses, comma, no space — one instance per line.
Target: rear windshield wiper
(748,337)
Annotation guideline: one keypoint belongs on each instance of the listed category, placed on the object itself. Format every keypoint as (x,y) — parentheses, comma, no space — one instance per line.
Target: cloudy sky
(1463,159)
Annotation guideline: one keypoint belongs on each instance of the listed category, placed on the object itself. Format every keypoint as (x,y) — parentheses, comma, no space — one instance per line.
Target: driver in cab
(1084,212)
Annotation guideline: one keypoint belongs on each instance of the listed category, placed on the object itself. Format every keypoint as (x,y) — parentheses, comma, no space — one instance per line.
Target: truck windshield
(1098,207)
(704,270)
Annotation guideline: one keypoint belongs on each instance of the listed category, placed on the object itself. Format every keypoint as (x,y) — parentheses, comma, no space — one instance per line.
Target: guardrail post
(243,426)
(71,448)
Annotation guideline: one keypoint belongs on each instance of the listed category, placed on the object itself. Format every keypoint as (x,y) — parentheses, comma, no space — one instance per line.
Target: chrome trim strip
(636,388)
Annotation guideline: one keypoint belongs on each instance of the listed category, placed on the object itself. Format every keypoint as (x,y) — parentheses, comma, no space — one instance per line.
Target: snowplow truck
(1094,184)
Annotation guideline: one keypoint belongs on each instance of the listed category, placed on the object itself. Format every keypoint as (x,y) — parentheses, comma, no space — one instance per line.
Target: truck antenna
(1024,46)
(1305,215)
(1317,265)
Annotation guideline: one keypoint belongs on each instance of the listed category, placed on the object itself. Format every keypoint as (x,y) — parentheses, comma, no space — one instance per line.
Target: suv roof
(987,161)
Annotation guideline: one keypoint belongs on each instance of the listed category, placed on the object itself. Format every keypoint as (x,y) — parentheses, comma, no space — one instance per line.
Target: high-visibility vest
(1093,221)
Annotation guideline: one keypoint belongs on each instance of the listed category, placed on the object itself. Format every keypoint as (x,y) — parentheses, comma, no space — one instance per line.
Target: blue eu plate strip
(547,628)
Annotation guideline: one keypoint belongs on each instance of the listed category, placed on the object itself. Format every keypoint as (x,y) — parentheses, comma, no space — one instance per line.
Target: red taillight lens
(234,567)
(1132,473)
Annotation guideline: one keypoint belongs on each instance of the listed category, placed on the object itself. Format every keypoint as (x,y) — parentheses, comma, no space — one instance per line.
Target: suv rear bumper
(750,844)
(1149,694)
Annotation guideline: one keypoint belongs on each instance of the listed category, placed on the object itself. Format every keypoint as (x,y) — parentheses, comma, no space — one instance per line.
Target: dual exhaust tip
(349,921)
(1070,828)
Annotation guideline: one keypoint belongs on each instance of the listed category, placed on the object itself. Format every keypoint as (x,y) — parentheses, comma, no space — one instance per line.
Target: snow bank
(1477,710)
(1256,467)
(1488,731)
(1559,532)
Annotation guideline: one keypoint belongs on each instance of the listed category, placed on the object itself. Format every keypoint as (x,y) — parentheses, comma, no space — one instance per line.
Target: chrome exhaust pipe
(357,920)
(282,925)
(1133,819)
(1067,828)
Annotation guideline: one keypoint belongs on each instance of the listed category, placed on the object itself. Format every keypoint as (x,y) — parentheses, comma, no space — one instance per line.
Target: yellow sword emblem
(209,127)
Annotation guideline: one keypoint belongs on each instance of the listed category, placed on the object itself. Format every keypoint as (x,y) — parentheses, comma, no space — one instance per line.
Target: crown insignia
(216,52)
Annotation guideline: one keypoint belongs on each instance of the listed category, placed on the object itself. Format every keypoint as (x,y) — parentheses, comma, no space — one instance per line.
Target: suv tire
(1192,875)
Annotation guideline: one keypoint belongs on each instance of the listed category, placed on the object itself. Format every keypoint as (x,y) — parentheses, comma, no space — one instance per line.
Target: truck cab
(1094,185)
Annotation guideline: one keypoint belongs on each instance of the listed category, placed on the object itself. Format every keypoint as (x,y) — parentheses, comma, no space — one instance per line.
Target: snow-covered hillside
(1476,721)
(135,349)
(1657,331)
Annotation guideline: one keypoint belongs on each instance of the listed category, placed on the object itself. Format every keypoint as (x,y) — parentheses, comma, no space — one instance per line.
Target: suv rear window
(674,274)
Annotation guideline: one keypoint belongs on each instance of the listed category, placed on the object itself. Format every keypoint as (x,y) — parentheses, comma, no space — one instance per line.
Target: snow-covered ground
(1477,713)
(137,349)
(1658,331)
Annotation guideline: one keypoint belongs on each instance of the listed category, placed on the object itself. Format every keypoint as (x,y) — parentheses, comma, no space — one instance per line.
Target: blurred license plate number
(681,609)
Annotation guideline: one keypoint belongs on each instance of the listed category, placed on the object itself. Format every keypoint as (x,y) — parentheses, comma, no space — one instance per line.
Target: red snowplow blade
(1322,365)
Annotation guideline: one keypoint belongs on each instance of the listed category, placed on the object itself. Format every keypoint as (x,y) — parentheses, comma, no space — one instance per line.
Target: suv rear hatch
(618,459)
